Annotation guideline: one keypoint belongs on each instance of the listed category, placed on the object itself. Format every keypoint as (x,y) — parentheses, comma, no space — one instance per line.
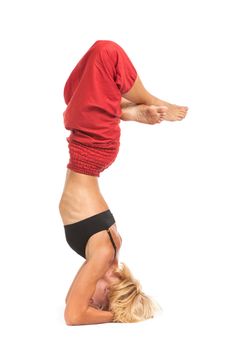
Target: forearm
(92,316)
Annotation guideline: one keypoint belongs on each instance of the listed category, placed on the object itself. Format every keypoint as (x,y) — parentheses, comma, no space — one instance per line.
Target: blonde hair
(127,301)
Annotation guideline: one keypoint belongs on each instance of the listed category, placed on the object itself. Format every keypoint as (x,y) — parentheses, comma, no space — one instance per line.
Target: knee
(105,46)
(99,44)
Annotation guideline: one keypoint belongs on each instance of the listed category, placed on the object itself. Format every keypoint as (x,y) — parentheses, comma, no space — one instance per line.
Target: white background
(170,188)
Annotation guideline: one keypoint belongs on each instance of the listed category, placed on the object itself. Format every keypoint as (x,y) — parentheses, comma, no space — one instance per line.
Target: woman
(102,89)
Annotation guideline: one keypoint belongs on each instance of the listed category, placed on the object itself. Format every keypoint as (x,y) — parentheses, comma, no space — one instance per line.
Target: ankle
(156,101)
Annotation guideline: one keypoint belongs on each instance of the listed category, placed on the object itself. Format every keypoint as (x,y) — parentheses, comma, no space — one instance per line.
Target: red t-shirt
(93,94)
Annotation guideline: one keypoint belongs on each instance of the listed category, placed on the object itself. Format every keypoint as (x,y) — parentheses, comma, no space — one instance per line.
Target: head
(127,301)
(100,297)
(121,293)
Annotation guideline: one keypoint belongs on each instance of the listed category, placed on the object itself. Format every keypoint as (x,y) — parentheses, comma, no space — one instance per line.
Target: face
(100,296)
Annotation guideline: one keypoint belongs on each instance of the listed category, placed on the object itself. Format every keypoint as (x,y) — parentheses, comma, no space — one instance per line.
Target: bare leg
(126,103)
(139,95)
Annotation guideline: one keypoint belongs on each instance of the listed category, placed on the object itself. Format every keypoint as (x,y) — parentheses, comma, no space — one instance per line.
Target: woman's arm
(92,316)
(78,311)
(118,241)
(75,278)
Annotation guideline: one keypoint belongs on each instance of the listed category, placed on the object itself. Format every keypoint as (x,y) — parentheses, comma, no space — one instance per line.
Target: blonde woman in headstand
(102,89)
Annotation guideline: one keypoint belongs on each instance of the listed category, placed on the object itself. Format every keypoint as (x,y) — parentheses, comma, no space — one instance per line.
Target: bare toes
(162,109)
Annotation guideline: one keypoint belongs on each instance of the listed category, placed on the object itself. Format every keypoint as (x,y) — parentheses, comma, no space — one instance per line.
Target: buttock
(79,233)
(90,160)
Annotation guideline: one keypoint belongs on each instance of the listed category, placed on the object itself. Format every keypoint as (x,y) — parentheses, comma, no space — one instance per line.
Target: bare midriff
(81,197)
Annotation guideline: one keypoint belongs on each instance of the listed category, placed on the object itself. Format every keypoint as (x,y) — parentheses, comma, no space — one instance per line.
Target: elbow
(72,322)
(72,319)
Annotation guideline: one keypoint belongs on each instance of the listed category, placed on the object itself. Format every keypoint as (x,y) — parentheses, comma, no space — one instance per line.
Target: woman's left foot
(144,114)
